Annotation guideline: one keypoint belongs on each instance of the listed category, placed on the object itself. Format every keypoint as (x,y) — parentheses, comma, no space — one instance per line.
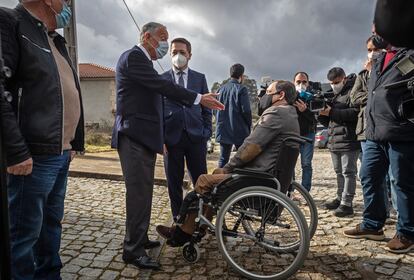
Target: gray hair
(150,27)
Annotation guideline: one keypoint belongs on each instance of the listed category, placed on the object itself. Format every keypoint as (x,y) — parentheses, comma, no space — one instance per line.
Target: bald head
(284,90)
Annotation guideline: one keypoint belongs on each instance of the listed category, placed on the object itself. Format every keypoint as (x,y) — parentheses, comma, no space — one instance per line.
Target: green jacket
(359,96)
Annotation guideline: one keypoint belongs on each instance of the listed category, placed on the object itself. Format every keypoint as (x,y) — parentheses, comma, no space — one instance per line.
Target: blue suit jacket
(196,120)
(233,123)
(139,102)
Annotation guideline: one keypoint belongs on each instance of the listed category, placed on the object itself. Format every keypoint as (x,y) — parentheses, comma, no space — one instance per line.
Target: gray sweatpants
(345,166)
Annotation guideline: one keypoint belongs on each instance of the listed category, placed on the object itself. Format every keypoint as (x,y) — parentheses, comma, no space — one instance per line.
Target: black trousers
(194,155)
(138,164)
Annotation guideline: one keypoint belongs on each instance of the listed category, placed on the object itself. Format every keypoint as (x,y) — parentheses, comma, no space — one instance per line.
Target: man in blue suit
(186,129)
(138,132)
(234,123)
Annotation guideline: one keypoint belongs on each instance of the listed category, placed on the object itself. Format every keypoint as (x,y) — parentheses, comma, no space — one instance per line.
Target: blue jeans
(306,156)
(379,157)
(36,205)
(388,185)
(225,151)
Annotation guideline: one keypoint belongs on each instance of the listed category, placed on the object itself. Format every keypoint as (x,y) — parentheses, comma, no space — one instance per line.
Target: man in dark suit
(138,132)
(186,129)
(234,123)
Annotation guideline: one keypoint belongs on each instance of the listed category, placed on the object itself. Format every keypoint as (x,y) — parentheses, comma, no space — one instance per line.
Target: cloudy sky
(269,37)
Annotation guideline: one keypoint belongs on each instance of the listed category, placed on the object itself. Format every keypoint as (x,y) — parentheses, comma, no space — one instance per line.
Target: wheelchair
(260,231)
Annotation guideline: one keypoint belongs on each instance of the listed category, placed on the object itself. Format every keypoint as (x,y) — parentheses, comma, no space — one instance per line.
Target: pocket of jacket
(36,45)
(147,117)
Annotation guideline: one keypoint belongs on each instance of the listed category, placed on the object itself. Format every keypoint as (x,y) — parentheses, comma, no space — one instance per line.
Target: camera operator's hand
(326,111)
(300,105)
(24,168)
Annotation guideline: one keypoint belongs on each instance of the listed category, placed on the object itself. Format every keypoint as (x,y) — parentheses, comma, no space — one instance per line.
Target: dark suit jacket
(233,123)
(138,100)
(196,120)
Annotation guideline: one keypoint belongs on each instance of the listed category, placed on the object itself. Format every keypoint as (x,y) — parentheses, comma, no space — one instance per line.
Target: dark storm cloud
(275,38)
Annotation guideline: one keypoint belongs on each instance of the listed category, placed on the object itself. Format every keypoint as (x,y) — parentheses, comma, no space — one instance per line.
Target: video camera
(263,87)
(317,96)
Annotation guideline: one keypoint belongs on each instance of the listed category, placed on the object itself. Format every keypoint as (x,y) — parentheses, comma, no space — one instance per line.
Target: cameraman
(390,143)
(341,121)
(307,124)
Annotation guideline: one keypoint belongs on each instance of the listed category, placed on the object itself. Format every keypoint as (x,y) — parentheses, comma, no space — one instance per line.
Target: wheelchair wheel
(307,207)
(260,252)
(191,252)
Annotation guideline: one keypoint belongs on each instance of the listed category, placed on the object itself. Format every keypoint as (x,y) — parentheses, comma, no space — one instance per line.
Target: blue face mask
(63,18)
(162,49)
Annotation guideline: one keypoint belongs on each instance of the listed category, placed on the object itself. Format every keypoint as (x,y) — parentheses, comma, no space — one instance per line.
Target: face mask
(300,87)
(379,42)
(179,60)
(338,87)
(63,18)
(373,55)
(162,49)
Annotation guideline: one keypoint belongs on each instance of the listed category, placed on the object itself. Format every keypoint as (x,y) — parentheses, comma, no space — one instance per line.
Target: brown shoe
(359,233)
(400,244)
(165,232)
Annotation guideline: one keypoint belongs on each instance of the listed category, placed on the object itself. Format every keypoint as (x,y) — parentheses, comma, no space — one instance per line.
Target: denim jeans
(379,157)
(225,151)
(36,205)
(306,156)
(389,187)
(345,166)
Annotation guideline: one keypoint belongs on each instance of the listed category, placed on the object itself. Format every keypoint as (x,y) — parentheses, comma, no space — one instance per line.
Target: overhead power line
(139,29)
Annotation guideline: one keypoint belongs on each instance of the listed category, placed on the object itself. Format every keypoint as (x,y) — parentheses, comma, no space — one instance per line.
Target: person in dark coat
(341,119)
(234,123)
(138,133)
(186,129)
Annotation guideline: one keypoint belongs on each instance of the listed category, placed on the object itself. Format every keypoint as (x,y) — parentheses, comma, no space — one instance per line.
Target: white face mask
(373,55)
(338,87)
(179,61)
(300,87)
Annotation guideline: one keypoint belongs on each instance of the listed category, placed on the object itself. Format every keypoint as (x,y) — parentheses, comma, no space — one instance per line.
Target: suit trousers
(138,164)
(195,159)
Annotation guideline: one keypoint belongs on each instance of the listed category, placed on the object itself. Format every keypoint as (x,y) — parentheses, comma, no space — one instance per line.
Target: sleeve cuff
(198,99)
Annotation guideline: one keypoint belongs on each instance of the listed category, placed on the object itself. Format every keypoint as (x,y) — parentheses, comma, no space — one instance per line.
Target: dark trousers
(138,164)
(225,151)
(194,155)
(36,204)
(377,159)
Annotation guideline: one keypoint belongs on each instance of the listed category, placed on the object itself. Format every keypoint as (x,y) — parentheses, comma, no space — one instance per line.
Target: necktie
(181,78)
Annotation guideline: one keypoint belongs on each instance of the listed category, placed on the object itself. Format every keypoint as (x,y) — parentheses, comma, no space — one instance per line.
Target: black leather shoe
(152,244)
(333,204)
(144,262)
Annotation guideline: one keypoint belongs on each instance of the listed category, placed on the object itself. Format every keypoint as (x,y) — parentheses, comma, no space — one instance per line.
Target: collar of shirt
(176,71)
(144,50)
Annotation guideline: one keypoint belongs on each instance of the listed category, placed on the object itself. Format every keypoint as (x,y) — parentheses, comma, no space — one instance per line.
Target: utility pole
(71,36)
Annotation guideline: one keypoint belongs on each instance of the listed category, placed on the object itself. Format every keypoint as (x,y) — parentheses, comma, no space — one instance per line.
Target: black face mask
(379,42)
(264,103)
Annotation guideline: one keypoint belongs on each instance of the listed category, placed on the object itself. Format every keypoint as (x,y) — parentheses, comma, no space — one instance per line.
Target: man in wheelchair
(258,152)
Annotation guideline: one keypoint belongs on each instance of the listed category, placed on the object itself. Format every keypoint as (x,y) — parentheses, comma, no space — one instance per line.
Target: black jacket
(384,121)
(307,122)
(33,121)
(342,121)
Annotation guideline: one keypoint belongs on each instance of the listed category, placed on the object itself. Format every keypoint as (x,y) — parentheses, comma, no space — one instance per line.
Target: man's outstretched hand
(209,100)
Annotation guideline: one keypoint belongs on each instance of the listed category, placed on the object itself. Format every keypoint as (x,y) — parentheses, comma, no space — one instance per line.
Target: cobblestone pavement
(93,230)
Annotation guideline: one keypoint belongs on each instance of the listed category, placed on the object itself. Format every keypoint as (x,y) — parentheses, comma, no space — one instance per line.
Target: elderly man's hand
(221,171)
(209,100)
(23,168)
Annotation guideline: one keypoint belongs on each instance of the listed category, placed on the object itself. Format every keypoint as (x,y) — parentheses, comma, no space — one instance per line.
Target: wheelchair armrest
(254,173)
(297,139)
